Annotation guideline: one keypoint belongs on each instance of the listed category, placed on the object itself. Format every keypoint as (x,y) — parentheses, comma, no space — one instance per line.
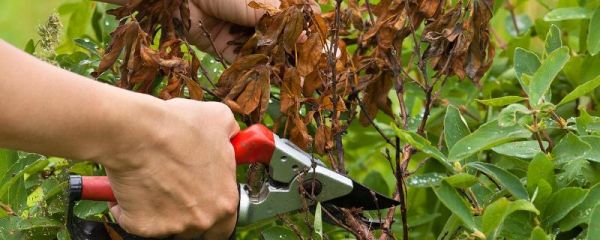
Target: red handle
(252,145)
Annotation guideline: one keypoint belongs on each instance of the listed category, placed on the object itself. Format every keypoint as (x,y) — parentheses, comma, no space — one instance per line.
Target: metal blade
(363,197)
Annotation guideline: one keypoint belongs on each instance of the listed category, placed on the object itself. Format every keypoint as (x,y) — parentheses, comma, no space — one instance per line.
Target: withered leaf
(293,28)
(323,139)
(298,131)
(123,36)
(376,98)
(309,54)
(270,9)
(240,67)
(195,89)
(291,91)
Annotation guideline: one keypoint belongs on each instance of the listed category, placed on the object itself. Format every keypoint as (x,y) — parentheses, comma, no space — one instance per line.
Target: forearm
(49,110)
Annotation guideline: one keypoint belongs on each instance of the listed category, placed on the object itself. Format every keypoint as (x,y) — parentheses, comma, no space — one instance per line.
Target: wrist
(132,127)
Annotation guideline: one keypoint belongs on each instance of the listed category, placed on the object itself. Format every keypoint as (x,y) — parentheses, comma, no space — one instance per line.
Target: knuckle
(200,222)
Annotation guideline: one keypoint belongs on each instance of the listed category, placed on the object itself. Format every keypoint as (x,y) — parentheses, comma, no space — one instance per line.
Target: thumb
(235,11)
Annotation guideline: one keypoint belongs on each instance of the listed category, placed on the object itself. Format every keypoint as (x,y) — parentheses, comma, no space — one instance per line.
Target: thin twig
(212,43)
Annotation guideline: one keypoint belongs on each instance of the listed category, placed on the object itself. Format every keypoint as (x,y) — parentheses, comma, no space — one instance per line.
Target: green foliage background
(516,158)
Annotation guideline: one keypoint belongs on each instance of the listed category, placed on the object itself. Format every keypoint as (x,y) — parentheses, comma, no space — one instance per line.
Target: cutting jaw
(296,179)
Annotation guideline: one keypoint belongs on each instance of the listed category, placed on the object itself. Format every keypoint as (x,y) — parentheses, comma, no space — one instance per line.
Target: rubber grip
(96,188)
(254,144)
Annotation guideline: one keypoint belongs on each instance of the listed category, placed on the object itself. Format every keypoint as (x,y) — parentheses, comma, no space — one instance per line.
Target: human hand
(220,18)
(178,179)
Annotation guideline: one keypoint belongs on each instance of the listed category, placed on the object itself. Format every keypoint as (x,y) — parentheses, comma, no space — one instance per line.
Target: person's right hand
(177,175)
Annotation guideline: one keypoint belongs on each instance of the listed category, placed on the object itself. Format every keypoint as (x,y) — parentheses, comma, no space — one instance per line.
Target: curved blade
(363,197)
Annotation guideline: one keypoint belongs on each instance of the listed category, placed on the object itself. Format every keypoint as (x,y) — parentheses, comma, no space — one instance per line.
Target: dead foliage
(300,61)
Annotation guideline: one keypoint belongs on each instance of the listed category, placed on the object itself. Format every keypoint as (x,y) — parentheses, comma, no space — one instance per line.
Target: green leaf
(541,194)
(30,47)
(318,224)
(572,13)
(455,126)
(277,233)
(594,153)
(457,204)
(496,213)
(561,203)
(593,229)
(33,168)
(501,101)
(581,213)
(487,136)
(553,39)
(461,180)
(502,177)
(581,90)
(526,62)
(540,168)
(543,77)
(538,234)
(7,159)
(89,209)
(374,180)
(569,148)
(508,115)
(423,145)
(425,180)
(521,149)
(593,39)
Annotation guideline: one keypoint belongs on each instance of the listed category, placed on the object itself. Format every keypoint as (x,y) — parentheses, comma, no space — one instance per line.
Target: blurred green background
(19,18)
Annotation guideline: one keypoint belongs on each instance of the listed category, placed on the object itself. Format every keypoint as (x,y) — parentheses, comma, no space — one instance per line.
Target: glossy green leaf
(571,13)
(89,209)
(553,39)
(581,214)
(540,168)
(487,136)
(7,159)
(318,224)
(33,168)
(423,145)
(581,90)
(543,77)
(593,39)
(496,213)
(504,178)
(456,204)
(593,229)
(509,115)
(425,180)
(561,203)
(455,126)
(569,148)
(594,153)
(526,62)
(501,101)
(461,180)
(520,149)
(538,234)
(542,193)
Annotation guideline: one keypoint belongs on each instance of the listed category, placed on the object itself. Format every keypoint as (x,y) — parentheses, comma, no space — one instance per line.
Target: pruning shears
(292,173)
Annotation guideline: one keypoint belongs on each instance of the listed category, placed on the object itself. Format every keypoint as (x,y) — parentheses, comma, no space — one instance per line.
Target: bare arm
(170,163)
(55,112)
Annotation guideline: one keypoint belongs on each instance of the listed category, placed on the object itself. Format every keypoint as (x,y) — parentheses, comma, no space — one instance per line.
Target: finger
(115,210)
(235,11)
